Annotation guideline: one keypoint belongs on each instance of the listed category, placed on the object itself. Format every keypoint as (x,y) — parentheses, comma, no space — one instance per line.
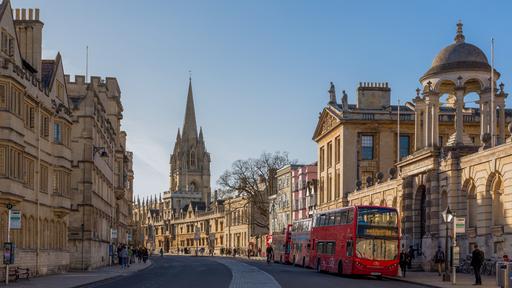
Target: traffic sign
(15,219)
(460,225)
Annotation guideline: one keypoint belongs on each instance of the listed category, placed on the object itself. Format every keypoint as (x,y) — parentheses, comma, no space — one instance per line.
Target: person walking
(270,253)
(161,252)
(439,260)
(404,261)
(477,259)
(411,257)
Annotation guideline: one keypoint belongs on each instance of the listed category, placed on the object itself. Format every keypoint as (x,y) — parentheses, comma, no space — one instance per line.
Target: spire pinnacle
(189,125)
(460,36)
(201,134)
(178,136)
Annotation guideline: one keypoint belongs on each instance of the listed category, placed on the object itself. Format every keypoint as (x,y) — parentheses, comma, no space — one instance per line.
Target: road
(213,272)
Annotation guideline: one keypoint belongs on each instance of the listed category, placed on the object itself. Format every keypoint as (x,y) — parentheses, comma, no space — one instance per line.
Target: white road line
(247,276)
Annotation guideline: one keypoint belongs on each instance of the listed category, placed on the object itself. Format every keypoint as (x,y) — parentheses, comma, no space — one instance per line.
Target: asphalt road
(197,272)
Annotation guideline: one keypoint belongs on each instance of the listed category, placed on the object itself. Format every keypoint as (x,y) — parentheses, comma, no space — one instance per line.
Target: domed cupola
(459,56)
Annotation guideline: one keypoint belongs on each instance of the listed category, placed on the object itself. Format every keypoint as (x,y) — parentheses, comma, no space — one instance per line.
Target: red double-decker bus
(356,240)
(281,243)
(301,233)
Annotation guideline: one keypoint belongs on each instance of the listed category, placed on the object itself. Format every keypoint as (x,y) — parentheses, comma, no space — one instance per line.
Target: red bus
(301,232)
(281,244)
(356,240)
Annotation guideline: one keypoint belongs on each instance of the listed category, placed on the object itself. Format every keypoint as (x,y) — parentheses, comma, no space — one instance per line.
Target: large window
(337,149)
(367,147)
(329,155)
(322,159)
(404,145)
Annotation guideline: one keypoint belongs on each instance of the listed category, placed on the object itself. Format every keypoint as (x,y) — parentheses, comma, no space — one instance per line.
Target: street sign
(15,219)
(9,249)
(460,225)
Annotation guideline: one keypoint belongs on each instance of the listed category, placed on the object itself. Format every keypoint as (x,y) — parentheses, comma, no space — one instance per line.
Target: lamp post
(447,217)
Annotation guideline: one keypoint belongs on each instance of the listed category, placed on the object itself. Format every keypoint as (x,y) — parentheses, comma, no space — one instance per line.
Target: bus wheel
(318,266)
(340,268)
(303,261)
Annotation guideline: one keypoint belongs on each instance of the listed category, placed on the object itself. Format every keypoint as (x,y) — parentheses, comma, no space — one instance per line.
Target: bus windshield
(377,249)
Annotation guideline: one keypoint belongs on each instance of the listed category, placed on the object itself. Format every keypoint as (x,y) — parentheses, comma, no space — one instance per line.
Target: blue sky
(260,69)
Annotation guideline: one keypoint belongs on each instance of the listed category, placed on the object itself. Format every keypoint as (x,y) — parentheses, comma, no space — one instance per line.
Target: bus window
(343,217)
(338,218)
(322,220)
(349,248)
(330,248)
(332,220)
(350,215)
(320,247)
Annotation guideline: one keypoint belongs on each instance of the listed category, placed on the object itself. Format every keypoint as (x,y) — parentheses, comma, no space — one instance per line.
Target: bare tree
(254,179)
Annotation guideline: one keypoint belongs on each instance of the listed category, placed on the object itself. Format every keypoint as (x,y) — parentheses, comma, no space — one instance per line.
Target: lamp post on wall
(447,217)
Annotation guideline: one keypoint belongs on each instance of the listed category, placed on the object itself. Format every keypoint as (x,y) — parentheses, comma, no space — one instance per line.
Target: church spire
(201,134)
(189,126)
(178,136)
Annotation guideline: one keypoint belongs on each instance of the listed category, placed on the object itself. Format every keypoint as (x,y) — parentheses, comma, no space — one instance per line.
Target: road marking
(247,276)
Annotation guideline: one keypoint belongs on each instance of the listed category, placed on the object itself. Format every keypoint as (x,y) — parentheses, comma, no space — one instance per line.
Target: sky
(260,69)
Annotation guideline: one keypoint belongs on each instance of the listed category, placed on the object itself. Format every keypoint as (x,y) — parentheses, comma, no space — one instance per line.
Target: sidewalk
(78,279)
(432,279)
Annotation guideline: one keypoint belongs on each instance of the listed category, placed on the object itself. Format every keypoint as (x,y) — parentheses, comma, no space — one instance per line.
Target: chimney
(29,30)
(373,96)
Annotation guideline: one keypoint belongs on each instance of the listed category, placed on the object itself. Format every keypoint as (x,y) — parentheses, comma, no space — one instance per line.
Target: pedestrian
(439,260)
(249,253)
(411,256)
(270,253)
(161,252)
(404,261)
(124,255)
(144,254)
(477,259)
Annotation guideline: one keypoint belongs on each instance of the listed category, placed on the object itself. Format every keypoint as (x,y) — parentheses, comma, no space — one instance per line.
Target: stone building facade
(101,192)
(303,197)
(245,225)
(35,146)
(44,143)
(472,178)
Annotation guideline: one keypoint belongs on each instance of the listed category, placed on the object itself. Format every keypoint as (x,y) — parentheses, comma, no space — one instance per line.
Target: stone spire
(459,37)
(178,136)
(189,126)
(201,134)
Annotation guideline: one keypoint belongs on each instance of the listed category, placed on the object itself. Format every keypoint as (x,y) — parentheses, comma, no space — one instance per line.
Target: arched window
(498,215)
(472,212)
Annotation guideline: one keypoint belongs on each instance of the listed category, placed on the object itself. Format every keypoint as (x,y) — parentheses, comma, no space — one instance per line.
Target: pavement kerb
(411,282)
(111,278)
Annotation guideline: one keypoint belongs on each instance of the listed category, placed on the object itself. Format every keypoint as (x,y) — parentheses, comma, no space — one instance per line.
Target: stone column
(484,111)
(434,100)
(427,123)
(459,121)
(501,123)
(418,127)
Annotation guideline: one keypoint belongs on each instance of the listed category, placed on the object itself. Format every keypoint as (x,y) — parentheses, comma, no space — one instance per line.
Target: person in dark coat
(411,257)
(477,259)
(404,261)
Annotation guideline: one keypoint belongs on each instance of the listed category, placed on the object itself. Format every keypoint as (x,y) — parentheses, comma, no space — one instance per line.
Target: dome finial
(459,37)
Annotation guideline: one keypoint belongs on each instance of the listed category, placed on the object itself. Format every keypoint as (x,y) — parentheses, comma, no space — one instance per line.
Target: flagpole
(493,109)
(398,133)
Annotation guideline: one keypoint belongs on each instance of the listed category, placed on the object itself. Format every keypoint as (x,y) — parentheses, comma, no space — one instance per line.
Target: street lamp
(447,217)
